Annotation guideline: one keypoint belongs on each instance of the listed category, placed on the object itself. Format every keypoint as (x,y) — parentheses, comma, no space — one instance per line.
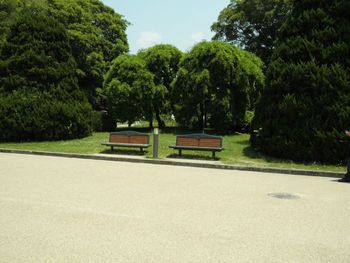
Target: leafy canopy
(129,89)
(97,36)
(214,84)
(252,24)
(163,61)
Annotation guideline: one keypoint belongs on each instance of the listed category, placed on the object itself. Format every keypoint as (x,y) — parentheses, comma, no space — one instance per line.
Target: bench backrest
(199,140)
(129,137)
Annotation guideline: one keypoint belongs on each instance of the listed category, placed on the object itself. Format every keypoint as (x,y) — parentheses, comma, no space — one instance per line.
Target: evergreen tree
(7,8)
(38,82)
(306,105)
(96,35)
(37,55)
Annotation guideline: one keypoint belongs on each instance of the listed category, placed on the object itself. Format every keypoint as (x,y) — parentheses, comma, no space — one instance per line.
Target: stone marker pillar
(155,143)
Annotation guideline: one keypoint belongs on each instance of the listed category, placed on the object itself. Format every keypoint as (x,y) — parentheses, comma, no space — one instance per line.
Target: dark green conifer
(305,107)
(40,97)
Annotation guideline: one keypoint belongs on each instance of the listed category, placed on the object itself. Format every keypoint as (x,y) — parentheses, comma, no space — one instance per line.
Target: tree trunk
(201,118)
(161,123)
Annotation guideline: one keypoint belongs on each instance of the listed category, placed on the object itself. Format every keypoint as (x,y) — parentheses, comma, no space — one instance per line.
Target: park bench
(198,142)
(128,139)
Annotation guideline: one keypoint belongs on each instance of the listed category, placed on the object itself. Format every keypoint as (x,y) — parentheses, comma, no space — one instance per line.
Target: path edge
(179,163)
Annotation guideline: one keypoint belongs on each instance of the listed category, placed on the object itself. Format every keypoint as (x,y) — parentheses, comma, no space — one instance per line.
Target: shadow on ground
(341,180)
(124,152)
(193,157)
(251,153)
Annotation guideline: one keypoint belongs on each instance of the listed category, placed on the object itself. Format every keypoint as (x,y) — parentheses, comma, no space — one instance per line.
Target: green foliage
(252,24)
(306,105)
(37,55)
(163,61)
(215,85)
(97,36)
(249,116)
(40,98)
(35,115)
(94,25)
(7,8)
(129,89)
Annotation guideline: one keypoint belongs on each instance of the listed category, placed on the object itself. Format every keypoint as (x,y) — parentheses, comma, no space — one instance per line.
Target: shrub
(28,115)
(103,122)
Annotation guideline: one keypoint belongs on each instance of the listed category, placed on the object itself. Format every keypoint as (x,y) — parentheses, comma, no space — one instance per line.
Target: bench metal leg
(112,148)
(180,152)
(141,150)
(213,155)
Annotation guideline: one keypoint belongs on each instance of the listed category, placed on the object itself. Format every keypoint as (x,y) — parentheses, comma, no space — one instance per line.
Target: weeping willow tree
(215,86)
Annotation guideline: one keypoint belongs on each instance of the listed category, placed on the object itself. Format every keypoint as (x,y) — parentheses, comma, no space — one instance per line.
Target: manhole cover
(284,196)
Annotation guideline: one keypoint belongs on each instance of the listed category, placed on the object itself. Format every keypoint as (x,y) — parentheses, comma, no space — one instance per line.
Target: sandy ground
(71,210)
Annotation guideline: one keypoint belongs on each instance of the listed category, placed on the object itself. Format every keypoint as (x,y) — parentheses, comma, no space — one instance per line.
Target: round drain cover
(284,196)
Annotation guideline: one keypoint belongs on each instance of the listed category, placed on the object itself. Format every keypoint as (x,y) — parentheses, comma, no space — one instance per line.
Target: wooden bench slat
(196,148)
(119,138)
(198,142)
(184,141)
(126,144)
(215,143)
(128,139)
(138,139)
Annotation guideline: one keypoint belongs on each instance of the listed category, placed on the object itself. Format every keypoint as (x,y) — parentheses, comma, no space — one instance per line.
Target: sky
(181,23)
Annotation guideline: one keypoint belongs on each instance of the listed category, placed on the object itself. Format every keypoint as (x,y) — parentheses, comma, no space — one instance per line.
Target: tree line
(277,68)
(213,85)
(71,55)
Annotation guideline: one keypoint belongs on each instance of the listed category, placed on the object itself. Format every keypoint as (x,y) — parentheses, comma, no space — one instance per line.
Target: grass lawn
(237,151)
